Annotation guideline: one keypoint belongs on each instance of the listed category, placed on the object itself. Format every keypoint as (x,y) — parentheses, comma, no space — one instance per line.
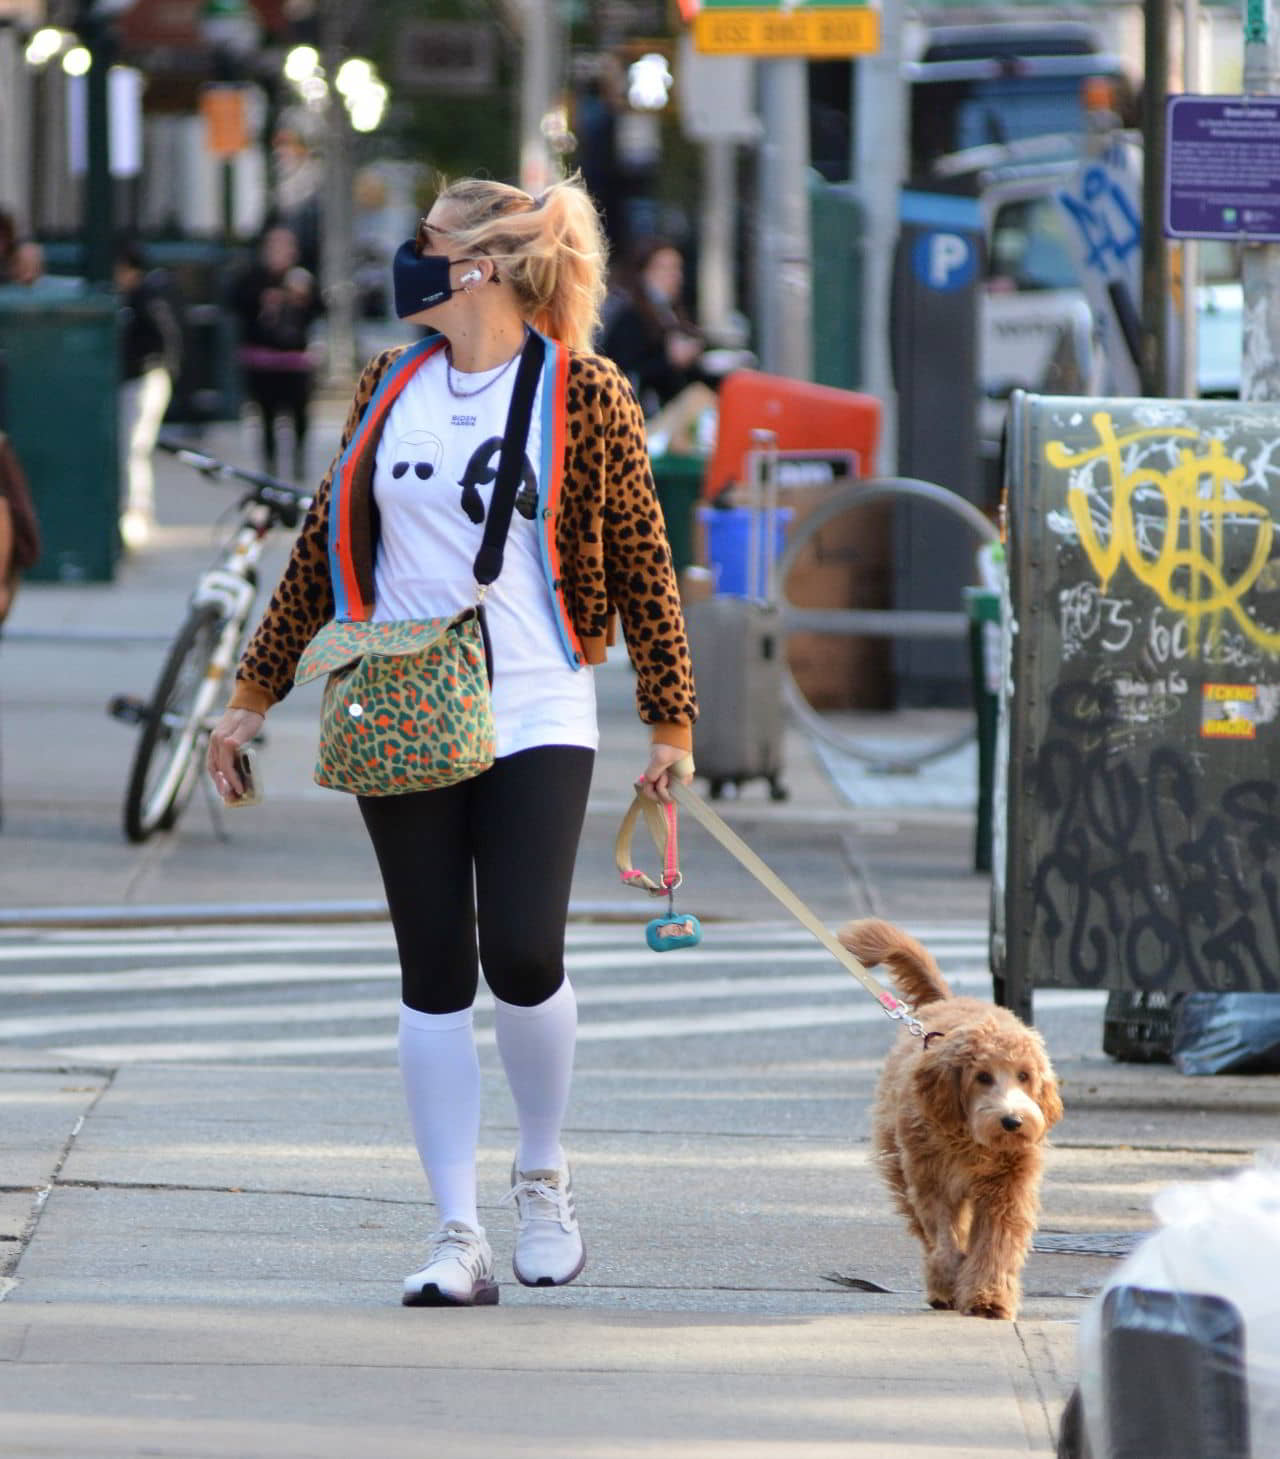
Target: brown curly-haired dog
(959,1125)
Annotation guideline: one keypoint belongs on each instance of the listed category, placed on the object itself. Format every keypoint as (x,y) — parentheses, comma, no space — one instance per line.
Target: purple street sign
(1222,169)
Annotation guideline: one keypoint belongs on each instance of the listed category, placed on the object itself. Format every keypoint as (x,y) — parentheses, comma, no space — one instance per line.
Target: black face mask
(420,280)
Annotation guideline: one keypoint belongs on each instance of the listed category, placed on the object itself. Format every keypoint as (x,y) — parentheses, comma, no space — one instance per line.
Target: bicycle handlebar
(269,490)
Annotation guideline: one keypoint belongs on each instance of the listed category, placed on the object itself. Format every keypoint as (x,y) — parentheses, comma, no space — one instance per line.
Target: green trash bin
(60,409)
(983,608)
(679,483)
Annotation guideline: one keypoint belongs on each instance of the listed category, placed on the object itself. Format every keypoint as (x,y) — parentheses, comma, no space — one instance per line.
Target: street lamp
(358,84)
(649,82)
(300,63)
(44,45)
(363,93)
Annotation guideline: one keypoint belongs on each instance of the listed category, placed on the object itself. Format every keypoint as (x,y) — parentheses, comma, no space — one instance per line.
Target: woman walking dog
(477,874)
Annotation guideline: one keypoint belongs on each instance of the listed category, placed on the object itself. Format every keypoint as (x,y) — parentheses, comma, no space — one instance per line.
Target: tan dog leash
(661,820)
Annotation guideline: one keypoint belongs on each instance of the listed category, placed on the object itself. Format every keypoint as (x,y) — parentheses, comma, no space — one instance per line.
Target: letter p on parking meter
(948,260)
(945,260)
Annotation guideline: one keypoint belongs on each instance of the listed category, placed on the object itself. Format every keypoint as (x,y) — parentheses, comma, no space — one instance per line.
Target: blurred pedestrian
(276,303)
(478,873)
(27,265)
(27,271)
(150,361)
(19,529)
(299,184)
(8,244)
(649,334)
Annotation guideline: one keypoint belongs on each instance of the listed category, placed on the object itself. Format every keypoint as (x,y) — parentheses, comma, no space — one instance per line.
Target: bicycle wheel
(166,765)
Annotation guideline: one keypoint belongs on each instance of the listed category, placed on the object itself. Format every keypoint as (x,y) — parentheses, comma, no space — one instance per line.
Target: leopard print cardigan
(610,542)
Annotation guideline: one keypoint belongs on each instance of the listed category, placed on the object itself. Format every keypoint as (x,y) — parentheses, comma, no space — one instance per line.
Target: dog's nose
(1012,1122)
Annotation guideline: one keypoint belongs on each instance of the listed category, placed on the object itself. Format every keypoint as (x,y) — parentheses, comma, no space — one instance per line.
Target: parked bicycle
(176,720)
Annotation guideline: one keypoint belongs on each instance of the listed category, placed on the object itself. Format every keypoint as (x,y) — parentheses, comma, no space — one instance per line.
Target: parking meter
(934,345)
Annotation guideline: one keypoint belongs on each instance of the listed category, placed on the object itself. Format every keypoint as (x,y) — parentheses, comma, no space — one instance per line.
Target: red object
(148,24)
(805,417)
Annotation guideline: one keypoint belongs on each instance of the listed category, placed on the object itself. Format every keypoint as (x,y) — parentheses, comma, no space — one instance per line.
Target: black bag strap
(488,563)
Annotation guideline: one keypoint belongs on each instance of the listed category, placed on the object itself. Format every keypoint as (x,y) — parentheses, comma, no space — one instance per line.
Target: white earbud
(472,276)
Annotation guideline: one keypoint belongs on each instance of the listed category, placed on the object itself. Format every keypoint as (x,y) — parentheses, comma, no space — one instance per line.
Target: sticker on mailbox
(1229,712)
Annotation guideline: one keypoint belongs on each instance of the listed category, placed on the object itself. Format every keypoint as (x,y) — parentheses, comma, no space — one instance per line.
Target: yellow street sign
(847,31)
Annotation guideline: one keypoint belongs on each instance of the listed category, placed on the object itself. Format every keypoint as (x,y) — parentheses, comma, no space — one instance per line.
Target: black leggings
(276,393)
(493,854)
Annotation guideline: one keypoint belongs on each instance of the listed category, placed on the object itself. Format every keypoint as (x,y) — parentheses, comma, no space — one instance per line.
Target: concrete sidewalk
(205,1262)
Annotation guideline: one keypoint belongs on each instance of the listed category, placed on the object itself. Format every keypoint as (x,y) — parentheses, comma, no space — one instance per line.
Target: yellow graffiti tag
(1186,508)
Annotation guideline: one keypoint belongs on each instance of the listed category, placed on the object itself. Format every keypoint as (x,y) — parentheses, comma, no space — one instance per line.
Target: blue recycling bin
(728,537)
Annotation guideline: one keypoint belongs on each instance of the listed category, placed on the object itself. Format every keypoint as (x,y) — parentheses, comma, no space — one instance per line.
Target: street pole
(1154,365)
(539,88)
(879,147)
(716,96)
(717,275)
(1260,274)
(16,102)
(337,264)
(98,212)
(784,259)
(1190,248)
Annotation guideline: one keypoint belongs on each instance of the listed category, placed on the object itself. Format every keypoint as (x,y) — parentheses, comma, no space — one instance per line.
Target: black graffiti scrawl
(1148,879)
(482,469)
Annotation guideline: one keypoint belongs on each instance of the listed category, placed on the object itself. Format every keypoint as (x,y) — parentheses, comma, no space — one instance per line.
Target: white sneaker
(549,1250)
(458,1273)
(135,529)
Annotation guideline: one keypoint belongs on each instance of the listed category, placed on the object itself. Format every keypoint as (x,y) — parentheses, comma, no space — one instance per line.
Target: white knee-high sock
(536,1045)
(441,1076)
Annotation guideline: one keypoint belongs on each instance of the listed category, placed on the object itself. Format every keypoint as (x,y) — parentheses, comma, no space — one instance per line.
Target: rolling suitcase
(737,644)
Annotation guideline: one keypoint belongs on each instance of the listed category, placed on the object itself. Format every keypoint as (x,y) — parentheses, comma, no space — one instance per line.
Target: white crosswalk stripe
(222,996)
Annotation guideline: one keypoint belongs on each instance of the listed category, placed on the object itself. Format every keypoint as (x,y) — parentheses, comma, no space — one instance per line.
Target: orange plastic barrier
(805,417)
(849,567)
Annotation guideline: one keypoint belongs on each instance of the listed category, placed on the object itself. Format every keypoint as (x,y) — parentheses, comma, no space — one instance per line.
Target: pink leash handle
(661,818)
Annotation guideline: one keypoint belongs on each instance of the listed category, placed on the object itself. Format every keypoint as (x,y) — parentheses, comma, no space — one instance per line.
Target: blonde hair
(550,249)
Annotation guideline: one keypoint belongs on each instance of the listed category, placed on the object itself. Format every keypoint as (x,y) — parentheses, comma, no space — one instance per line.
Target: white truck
(1062,229)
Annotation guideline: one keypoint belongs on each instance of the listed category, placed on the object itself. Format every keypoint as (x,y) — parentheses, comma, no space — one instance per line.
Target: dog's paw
(941,1269)
(993,1307)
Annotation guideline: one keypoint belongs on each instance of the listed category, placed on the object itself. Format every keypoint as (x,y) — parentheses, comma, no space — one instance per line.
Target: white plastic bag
(1190,1322)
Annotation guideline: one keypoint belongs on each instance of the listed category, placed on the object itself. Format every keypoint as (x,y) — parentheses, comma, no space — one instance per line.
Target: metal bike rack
(873,622)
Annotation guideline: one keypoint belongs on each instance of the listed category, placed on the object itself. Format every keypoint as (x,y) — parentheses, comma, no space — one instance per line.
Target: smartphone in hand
(250,778)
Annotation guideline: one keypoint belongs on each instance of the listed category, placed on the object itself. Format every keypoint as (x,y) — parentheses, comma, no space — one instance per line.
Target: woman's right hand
(236,728)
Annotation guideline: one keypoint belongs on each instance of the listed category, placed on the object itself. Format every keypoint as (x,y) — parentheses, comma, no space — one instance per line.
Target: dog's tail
(914,970)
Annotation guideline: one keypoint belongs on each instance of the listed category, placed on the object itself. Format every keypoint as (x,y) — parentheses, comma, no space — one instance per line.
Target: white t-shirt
(432,481)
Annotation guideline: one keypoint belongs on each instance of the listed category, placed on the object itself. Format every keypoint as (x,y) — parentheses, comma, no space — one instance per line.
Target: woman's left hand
(655,783)
(683,350)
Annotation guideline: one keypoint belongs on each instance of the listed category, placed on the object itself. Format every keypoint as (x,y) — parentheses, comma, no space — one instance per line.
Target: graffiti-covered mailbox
(1137,817)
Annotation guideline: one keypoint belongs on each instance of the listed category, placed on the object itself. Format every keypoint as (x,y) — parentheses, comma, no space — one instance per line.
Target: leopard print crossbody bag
(407,705)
